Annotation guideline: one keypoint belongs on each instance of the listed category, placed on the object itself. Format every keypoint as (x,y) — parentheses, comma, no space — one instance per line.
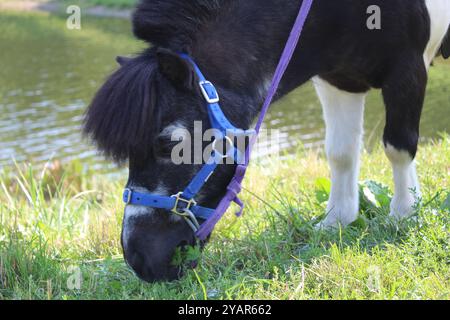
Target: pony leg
(344,117)
(404,94)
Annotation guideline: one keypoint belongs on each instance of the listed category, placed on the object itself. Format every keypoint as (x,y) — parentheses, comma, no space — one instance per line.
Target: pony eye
(170,137)
(163,147)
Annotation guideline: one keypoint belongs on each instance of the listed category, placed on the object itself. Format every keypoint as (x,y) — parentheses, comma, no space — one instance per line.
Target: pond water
(48,75)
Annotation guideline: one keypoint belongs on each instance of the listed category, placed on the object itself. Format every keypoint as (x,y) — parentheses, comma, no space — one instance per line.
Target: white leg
(344,117)
(407,189)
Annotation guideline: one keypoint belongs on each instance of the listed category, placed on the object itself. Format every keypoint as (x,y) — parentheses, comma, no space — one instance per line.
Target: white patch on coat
(344,117)
(407,188)
(175,131)
(264,88)
(133,211)
(439,11)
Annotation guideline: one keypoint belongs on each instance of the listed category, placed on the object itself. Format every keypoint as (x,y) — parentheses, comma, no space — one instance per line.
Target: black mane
(173,23)
(122,117)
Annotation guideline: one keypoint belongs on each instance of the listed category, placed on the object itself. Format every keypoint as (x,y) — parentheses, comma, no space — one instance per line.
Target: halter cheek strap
(217,118)
(183,203)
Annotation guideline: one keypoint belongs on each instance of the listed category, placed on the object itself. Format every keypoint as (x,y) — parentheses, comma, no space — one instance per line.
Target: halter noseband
(183,204)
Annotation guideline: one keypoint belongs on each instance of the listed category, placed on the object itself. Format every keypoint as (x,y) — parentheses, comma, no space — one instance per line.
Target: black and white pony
(237,44)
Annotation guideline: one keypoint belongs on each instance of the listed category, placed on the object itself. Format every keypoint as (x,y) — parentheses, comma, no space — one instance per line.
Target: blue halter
(183,203)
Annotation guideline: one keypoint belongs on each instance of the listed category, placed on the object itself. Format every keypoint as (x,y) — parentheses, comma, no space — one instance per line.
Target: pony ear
(175,68)
(122,60)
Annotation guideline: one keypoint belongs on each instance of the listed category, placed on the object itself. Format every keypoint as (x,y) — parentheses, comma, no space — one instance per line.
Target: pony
(237,44)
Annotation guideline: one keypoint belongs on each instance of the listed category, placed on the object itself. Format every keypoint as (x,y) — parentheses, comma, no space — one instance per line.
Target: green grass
(63,220)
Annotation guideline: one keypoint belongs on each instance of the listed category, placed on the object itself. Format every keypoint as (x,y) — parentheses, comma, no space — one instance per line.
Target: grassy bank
(61,222)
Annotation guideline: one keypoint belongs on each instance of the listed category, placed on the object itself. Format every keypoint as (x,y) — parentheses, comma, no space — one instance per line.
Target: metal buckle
(229,141)
(129,195)
(209,99)
(190,204)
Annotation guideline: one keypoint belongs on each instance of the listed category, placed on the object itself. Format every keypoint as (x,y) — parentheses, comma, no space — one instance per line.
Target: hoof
(403,208)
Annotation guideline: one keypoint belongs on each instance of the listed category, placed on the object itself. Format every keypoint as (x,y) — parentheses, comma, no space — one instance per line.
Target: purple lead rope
(235,186)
